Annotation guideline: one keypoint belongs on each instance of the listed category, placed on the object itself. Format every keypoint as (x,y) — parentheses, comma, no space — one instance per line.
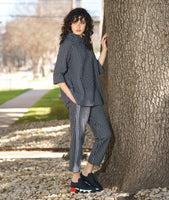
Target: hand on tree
(104,42)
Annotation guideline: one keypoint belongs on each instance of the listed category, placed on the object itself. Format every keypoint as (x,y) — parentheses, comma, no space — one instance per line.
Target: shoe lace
(84,183)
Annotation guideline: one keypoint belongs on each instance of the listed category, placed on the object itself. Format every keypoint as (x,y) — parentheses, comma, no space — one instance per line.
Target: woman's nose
(78,23)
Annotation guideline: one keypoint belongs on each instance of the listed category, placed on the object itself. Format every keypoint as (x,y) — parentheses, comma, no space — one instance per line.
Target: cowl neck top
(78,67)
(75,38)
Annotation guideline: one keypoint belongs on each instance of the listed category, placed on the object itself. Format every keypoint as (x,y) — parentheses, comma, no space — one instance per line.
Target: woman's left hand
(104,49)
(104,42)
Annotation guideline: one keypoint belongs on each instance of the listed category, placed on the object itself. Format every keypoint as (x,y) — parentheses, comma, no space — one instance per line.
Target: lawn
(49,107)
(6,95)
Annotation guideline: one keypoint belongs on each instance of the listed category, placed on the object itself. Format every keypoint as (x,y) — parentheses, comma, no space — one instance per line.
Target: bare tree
(14,57)
(136,89)
(36,34)
(38,37)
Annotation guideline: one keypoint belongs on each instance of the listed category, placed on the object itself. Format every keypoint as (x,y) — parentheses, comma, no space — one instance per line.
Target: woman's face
(78,26)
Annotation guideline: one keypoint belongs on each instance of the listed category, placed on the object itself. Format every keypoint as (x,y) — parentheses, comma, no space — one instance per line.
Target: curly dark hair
(73,16)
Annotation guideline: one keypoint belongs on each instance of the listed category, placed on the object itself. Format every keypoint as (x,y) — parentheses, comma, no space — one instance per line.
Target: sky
(8,7)
(93,6)
(5,8)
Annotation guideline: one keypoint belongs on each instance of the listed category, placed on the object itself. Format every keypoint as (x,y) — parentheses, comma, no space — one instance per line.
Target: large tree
(136,90)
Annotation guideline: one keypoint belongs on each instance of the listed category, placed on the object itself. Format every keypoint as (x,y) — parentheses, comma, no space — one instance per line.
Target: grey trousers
(79,117)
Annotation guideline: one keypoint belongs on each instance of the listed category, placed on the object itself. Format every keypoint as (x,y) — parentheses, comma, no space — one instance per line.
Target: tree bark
(136,90)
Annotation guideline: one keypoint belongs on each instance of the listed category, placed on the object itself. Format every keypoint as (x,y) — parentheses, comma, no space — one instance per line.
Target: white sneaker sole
(84,191)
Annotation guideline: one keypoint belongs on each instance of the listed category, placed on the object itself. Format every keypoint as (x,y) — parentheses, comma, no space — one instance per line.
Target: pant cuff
(94,163)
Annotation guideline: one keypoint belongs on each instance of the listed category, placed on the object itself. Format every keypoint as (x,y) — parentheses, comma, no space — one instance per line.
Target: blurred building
(76,3)
(57,9)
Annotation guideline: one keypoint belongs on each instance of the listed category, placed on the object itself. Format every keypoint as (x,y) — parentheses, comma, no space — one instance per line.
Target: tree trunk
(36,71)
(136,89)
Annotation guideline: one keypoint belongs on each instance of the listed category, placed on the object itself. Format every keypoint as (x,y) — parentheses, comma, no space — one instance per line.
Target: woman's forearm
(102,57)
(67,91)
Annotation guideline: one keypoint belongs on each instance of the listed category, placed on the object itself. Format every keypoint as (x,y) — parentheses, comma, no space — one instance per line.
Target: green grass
(49,107)
(6,95)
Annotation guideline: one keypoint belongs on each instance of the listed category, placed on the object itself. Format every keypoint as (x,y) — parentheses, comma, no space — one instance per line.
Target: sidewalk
(15,108)
(30,154)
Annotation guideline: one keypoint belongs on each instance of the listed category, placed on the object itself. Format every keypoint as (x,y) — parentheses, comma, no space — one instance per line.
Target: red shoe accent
(73,189)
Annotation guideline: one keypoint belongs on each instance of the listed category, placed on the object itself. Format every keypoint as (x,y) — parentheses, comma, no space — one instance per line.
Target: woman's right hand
(67,91)
(73,99)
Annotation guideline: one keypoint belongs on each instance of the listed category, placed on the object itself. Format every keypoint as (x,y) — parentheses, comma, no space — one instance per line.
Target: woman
(77,73)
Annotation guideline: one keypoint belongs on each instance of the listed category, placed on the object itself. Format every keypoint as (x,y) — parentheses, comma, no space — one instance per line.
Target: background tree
(36,33)
(14,57)
(136,89)
(37,37)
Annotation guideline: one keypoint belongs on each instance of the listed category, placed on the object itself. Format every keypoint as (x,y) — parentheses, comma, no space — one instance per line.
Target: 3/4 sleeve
(61,65)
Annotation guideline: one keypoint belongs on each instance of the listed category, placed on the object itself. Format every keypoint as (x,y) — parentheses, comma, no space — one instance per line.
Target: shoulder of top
(66,43)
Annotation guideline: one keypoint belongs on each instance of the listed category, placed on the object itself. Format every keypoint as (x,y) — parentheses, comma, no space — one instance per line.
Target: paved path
(30,154)
(15,108)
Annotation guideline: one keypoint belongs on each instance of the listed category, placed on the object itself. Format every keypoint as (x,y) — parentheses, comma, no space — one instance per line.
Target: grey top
(78,67)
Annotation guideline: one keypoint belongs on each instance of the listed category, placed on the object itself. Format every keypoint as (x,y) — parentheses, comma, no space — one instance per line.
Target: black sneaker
(92,181)
(81,186)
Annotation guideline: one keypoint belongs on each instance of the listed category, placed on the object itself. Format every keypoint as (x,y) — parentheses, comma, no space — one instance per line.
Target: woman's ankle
(88,169)
(75,177)
(86,172)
